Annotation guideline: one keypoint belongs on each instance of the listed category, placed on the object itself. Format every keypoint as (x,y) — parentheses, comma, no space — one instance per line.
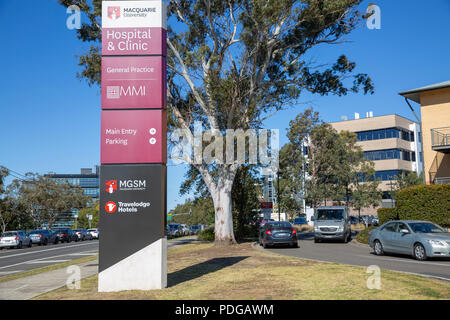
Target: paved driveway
(362,255)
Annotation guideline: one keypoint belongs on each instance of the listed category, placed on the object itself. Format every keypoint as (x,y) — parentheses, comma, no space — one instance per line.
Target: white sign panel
(134,14)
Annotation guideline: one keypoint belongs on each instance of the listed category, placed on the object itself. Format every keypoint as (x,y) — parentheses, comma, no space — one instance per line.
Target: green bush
(207,234)
(386,214)
(247,231)
(425,202)
(363,236)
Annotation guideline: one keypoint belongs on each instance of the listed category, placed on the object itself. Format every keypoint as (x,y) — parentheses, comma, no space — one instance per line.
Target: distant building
(435,115)
(88,180)
(392,142)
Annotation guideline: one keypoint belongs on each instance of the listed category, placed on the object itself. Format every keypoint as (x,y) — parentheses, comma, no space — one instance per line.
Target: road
(361,255)
(20,260)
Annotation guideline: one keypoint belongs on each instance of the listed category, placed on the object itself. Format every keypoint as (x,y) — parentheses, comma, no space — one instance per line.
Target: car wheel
(46,242)
(264,245)
(316,240)
(295,244)
(419,252)
(30,244)
(378,248)
(19,246)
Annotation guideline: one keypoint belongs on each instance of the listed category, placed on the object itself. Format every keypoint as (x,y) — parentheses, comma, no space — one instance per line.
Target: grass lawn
(201,271)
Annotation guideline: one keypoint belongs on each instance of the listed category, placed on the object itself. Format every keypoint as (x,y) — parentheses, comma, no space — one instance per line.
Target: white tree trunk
(223,227)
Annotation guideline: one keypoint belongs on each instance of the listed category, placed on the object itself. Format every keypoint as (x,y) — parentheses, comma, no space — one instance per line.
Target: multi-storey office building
(435,115)
(392,142)
(90,183)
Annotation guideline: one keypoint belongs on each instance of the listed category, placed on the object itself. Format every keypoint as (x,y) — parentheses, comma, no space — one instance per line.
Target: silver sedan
(421,239)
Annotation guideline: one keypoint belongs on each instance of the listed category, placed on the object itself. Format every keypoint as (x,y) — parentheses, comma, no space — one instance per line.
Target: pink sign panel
(133,136)
(134,82)
(133,41)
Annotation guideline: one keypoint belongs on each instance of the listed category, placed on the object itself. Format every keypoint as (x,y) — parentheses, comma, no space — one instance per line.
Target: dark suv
(43,237)
(66,235)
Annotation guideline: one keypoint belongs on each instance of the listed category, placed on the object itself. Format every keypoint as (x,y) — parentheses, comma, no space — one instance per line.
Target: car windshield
(9,234)
(423,227)
(276,225)
(173,226)
(36,232)
(330,214)
(194,227)
(92,230)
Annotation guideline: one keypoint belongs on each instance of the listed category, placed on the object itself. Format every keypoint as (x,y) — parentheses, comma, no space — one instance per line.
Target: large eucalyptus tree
(234,63)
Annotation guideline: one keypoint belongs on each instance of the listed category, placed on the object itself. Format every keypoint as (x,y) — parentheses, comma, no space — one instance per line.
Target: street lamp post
(279,198)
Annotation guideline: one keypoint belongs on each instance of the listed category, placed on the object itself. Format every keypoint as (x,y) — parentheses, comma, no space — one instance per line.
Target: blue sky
(50,120)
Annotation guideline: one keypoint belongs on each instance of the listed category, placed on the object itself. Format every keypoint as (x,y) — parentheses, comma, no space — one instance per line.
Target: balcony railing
(442,180)
(440,139)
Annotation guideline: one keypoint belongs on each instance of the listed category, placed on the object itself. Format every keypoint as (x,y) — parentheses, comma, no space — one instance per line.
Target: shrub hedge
(424,202)
(207,234)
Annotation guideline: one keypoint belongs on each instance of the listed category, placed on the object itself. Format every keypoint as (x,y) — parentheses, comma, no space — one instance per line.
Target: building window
(388,154)
(387,133)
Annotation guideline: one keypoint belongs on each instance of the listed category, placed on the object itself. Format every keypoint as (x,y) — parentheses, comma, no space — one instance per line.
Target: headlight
(340,229)
(437,243)
(316,229)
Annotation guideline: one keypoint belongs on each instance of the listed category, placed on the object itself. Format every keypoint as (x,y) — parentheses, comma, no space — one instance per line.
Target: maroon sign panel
(134,41)
(133,136)
(133,82)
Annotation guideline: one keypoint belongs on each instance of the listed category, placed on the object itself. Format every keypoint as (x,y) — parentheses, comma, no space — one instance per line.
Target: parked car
(83,234)
(354,220)
(185,230)
(278,232)
(421,239)
(300,221)
(65,235)
(43,237)
(367,219)
(94,232)
(174,230)
(375,221)
(15,239)
(195,229)
(332,223)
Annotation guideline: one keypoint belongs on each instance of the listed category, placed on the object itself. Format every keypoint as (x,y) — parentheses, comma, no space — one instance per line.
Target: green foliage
(207,234)
(425,202)
(247,231)
(363,236)
(244,195)
(43,199)
(386,214)
(422,202)
(83,221)
(201,208)
(334,164)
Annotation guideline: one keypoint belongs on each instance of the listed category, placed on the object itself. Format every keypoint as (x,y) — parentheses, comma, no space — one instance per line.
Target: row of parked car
(175,230)
(19,238)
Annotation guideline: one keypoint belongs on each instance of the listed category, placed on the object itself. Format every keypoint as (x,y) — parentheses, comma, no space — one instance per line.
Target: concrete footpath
(29,287)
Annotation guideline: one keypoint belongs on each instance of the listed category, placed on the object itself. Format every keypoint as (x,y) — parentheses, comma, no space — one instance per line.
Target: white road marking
(406,261)
(44,250)
(26,262)
(4,273)
(46,261)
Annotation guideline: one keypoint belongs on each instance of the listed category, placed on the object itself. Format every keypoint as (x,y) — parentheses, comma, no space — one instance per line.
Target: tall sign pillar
(133,244)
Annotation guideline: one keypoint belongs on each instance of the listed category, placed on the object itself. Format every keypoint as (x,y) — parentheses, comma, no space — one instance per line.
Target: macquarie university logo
(111,186)
(114,13)
(110,207)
